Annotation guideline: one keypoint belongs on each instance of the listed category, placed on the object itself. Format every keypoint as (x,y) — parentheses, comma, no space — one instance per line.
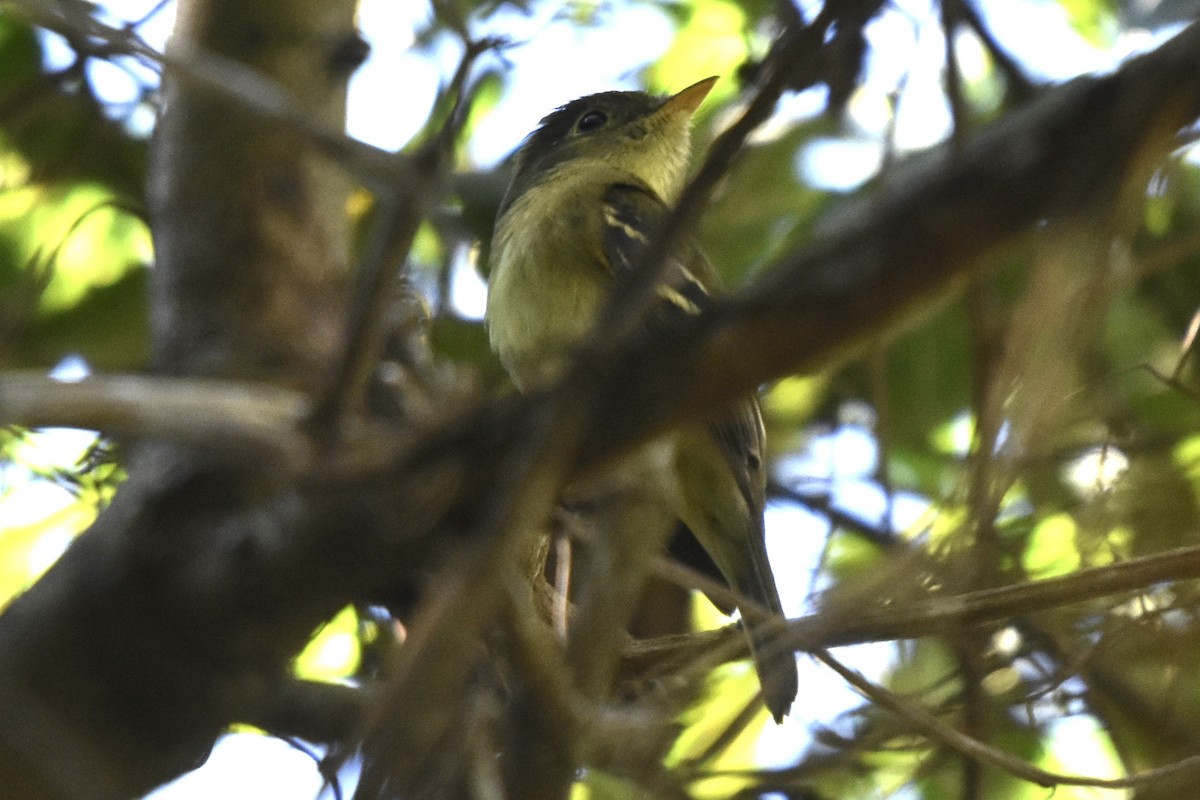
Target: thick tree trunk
(122,665)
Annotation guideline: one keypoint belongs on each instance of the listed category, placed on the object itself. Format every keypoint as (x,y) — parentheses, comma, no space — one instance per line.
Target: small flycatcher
(591,186)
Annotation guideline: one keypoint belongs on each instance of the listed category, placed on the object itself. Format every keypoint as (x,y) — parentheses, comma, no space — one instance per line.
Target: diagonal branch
(942,615)
(403,205)
(1075,148)
(1079,147)
(842,622)
(928,724)
(247,87)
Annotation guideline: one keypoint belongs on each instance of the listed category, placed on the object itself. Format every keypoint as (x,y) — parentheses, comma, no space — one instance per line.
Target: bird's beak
(688,100)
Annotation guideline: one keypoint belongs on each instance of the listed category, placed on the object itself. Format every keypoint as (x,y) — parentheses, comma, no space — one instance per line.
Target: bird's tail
(774,661)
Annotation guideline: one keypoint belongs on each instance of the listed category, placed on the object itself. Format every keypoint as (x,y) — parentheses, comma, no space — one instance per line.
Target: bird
(590,186)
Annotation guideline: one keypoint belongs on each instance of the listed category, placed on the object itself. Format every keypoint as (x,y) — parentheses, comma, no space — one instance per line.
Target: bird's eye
(591,121)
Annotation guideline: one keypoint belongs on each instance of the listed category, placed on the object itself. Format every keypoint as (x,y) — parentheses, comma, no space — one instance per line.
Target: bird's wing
(632,215)
(730,531)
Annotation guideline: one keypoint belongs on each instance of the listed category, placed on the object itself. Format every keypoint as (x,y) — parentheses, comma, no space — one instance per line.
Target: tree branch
(403,205)
(845,620)
(218,416)
(246,87)
(1080,146)
(973,748)
(946,615)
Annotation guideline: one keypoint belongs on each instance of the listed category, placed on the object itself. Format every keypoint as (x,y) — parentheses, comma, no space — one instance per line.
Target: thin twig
(149,15)
(982,495)
(984,753)
(373,166)
(402,207)
(935,616)
(953,79)
(1171,381)
(952,614)
(880,535)
(630,299)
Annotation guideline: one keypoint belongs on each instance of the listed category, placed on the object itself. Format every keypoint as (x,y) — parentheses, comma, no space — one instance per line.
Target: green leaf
(334,652)
(20,51)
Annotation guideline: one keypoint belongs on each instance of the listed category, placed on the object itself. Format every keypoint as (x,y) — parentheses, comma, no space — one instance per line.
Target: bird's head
(638,133)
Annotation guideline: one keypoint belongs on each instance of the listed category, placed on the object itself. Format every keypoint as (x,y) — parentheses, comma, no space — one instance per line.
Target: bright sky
(390,97)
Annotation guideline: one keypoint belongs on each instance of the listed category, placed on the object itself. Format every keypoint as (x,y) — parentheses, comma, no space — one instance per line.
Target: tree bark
(120,668)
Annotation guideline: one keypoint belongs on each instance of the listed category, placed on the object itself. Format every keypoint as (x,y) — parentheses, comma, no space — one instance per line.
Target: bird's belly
(550,297)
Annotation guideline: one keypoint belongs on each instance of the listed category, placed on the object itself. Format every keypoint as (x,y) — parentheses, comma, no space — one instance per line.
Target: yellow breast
(548,276)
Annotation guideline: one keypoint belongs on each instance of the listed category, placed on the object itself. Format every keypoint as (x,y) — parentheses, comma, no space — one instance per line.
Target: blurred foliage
(1096,20)
(335,651)
(52,486)
(73,245)
(713,39)
(1076,358)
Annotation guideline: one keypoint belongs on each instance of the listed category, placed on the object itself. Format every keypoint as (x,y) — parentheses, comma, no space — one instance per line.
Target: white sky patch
(857,452)
(249,767)
(847,452)
(1039,35)
(391,93)
(904,62)
(795,540)
(71,369)
(792,108)
(893,37)
(1081,746)
(922,114)
(118,81)
(559,62)
(869,501)
(871,113)
(908,510)
(468,291)
(972,57)
(31,501)
(1096,470)
(824,696)
(25,498)
(47,448)
(840,165)
(118,84)
(156,29)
